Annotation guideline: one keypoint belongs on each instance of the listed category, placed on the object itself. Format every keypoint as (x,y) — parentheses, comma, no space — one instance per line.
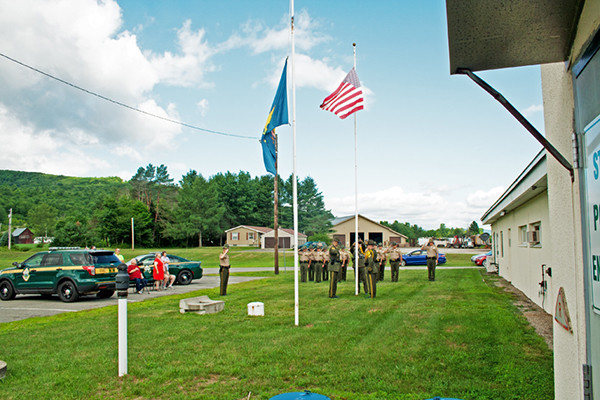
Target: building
(564,37)
(344,230)
(521,236)
(285,236)
(246,235)
(22,236)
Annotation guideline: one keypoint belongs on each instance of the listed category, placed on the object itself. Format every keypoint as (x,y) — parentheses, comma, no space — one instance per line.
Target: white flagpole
(295,183)
(355,195)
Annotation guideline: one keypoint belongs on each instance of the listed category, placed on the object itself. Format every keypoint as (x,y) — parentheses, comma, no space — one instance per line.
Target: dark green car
(183,269)
(68,272)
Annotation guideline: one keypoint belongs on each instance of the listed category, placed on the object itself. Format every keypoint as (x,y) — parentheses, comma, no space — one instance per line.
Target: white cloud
(426,209)
(533,109)
(202,106)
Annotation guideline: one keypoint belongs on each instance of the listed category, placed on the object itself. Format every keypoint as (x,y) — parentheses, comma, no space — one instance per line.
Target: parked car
(69,272)
(419,257)
(183,269)
(479,259)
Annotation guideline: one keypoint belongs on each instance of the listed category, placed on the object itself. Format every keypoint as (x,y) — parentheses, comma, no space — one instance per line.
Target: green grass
(456,337)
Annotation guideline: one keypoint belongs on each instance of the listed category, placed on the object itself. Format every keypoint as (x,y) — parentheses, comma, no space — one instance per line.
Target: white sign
(592,138)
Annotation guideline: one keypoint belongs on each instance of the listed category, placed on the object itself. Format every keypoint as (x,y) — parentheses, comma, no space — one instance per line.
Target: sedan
(480,258)
(183,269)
(419,257)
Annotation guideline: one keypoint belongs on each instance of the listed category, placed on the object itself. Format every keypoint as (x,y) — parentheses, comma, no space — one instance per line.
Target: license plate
(105,270)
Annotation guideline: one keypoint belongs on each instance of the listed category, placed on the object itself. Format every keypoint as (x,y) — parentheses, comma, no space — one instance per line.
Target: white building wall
(521,263)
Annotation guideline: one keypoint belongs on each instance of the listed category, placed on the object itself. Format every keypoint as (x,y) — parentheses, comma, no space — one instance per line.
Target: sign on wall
(593,207)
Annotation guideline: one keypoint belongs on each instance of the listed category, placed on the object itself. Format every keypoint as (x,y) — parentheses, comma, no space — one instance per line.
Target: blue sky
(432,148)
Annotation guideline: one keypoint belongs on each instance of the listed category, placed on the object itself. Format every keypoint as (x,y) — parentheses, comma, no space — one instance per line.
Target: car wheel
(403,263)
(105,293)
(7,292)
(67,292)
(184,277)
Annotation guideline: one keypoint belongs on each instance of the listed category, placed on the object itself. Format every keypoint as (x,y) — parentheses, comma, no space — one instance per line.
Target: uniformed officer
(344,257)
(381,258)
(432,258)
(362,276)
(395,256)
(372,268)
(311,264)
(224,269)
(325,264)
(318,262)
(334,268)
(303,255)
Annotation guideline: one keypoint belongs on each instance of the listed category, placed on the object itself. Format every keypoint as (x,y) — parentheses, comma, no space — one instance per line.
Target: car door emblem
(26,274)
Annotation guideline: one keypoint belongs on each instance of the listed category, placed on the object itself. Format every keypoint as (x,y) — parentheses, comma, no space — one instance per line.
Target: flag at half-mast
(278,115)
(347,98)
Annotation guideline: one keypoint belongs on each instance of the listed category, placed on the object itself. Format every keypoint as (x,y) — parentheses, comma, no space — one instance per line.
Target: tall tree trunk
(200,239)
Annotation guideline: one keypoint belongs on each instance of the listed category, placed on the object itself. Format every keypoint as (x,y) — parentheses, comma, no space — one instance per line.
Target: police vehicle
(70,272)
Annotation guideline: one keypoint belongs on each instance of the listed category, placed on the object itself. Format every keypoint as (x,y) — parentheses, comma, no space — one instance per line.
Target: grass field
(457,337)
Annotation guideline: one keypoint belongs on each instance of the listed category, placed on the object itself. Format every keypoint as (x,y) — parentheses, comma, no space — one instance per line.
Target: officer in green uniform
(325,264)
(372,268)
(334,268)
(395,260)
(224,269)
(432,258)
(303,264)
(360,264)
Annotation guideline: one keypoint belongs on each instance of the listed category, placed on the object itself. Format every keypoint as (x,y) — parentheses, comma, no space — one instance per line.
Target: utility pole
(9,226)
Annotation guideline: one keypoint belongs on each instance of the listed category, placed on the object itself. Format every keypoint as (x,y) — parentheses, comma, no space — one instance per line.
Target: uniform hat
(226,246)
(371,243)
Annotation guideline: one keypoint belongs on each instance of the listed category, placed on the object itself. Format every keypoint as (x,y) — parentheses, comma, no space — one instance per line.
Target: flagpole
(356,261)
(295,183)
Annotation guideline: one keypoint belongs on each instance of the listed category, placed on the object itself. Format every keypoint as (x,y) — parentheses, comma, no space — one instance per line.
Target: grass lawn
(456,337)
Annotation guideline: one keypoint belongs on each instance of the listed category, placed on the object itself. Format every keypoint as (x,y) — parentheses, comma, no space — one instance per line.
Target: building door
(361,236)
(587,116)
(376,236)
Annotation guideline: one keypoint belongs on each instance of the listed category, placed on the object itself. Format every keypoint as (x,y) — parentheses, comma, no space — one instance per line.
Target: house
(246,235)
(521,236)
(344,230)
(563,36)
(285,236)
(22,236)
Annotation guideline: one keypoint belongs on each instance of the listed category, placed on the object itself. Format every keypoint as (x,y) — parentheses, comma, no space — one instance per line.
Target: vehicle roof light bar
(519,117)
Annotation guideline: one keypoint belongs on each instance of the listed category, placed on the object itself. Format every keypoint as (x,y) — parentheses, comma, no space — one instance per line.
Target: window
(250,235)
(523,235)
(235,236)
(535,234)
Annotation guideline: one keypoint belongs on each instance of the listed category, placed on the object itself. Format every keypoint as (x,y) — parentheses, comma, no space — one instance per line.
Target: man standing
(395,260)
(318,263)
(432,258)
(360,264)
(344,267)
(311,264)
(334,268)
(372,268)
(381,258)
(303,264)
(224,269)
(325,264)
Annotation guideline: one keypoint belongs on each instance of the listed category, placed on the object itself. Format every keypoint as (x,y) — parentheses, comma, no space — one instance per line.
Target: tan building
(521,236)
(285,236)
(245,235)
(563,36)
(344,230)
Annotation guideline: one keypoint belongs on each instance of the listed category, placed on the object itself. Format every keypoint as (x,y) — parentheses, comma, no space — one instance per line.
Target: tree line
(195,211)
(415,231)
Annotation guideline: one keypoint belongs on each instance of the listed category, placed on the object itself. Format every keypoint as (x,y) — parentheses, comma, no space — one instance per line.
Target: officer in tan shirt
(224,269)
(318,263)
(303,255)
(395,256)
(432,258)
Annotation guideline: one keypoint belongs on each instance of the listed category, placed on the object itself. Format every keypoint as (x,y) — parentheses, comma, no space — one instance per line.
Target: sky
(432,148)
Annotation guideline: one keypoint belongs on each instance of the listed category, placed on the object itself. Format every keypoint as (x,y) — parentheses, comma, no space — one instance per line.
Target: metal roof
(492,34)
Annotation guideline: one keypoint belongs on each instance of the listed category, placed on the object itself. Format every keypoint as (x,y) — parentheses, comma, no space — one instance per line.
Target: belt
(431,258)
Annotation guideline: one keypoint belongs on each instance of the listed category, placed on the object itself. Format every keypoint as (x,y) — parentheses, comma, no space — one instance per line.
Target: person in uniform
(432,258)
(325,264)
(303,255)
(311,264)
(362,277)
(372,268)
(381,258)
(395,256)
(224,269)
(334,268)
(318,258)
(344,257)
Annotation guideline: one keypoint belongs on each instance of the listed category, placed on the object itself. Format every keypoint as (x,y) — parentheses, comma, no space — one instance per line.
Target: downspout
(519,117)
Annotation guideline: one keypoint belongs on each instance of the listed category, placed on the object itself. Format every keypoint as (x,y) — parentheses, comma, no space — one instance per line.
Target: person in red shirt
(135,274)
(158,271)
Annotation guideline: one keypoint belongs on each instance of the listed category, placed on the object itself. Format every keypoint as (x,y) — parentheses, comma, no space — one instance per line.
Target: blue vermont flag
(278,115)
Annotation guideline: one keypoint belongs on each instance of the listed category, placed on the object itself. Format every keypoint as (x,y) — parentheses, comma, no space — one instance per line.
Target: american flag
(347,98)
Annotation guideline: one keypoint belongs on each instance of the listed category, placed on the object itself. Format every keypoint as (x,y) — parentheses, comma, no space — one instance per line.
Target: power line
(122,104)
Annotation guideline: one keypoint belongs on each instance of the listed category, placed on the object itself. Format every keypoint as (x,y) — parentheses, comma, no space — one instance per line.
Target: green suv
(68,272)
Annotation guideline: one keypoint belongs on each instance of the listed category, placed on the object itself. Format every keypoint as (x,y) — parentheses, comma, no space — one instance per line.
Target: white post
(9,226)
(295,183)
(122,336)
(132,235)
(355,195)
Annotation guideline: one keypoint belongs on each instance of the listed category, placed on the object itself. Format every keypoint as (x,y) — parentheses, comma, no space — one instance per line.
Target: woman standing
(158,271)
(224,269)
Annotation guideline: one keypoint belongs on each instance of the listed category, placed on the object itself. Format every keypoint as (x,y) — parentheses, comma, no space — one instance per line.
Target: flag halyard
(347,98)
